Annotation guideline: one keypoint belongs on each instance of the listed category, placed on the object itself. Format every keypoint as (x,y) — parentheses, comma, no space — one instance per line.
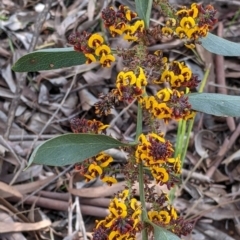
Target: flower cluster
(123,220)
(131,85)
(123,21)
(168,104)
(167,217)
(95,167)
(191,23)
(93,47)
(163,217)
(176,73)
(156,153)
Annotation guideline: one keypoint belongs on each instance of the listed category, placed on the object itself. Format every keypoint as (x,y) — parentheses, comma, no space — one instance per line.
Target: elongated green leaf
(143,8)
(72,148)
(49,59)
(163,234)
(220,45)
(215,104)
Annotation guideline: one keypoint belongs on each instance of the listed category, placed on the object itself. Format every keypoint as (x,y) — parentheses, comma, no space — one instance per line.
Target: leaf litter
(35,202)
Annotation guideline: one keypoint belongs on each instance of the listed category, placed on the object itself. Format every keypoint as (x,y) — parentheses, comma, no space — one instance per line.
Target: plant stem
(139,122)
(141,172)
(142,198)
(190,125)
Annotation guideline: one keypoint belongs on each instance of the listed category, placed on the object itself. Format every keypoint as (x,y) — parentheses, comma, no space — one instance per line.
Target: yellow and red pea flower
(187,23)
(104,159)
(161,111)
(118,208)
(176,164)
(167,31)
(109,180)
(93,172)
(95,40)
(160,174)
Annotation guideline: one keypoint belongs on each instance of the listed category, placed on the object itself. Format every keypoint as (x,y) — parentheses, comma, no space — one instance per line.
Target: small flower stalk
(152,150)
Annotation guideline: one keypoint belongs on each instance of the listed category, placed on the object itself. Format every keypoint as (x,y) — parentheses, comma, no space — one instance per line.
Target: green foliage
(220,46)
(48,59)
(163,234)
(72,148)
(215,104)
(143,8)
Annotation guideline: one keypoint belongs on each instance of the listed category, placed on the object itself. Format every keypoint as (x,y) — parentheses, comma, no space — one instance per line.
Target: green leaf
(49,59)
(143,8)
(215,104)
(220,45)
(163,234)
(72,148)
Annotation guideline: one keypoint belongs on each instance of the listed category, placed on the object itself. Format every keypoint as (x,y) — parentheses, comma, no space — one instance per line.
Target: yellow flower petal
(171,22)
(103,49)
(167,31)
(119,209)
(159,138)
(95,168)
(109,180)
(105,159)
(180,32)
(124,194)
(167,76)
(114,235)
(134,203)
(150,102)
(95,40)
(160,174)
(187,73)
(164,94)
(182,12)
(154,216)
(116,31)
(130,38)
(187,22)
(194,10)
(162,111)
(90,58)
(128,15)
(106,60)
(139,25)
(173,213)
(141,79)
(129,78)
(165,217)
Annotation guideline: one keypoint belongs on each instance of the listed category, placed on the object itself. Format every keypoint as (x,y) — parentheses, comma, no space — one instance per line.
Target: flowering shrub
(152,151)
(151,156)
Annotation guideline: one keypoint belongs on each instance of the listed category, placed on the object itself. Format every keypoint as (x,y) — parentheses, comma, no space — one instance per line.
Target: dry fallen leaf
(7,190)
(23,227)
